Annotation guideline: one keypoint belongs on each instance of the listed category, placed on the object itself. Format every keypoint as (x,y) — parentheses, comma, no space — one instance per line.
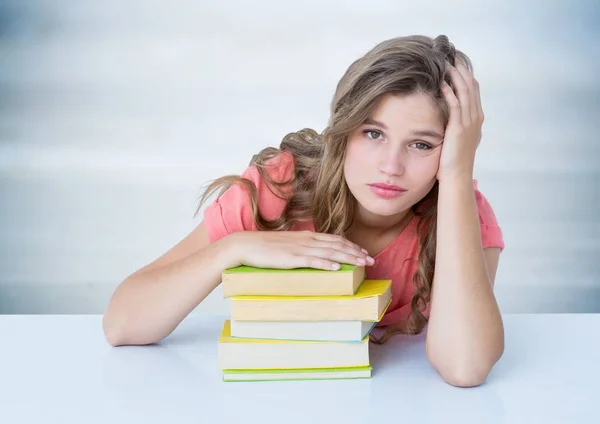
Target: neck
(366,221)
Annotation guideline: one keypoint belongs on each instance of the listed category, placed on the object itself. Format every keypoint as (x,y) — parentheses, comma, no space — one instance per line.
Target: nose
(392,161)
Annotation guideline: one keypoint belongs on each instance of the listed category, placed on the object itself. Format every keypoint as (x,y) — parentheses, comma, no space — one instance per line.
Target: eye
(371,133)
(422,146)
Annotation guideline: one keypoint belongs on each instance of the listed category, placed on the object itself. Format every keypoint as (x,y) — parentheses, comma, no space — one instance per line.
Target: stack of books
(299,324)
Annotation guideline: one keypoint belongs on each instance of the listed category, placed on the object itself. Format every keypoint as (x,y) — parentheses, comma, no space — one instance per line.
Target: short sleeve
(232,212)
(491,233)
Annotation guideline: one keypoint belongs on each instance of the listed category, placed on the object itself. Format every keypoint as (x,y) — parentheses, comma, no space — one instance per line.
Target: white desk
(59,369)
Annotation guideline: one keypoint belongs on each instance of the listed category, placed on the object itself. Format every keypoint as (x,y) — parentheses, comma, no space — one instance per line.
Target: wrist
(456,183)
(230,251)
(464,176)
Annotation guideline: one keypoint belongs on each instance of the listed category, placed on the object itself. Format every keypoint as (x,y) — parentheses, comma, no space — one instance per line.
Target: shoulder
(233,210)
(280,168)
(491,232)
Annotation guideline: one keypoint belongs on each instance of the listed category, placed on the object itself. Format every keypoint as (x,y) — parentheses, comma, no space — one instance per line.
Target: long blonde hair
(402,65)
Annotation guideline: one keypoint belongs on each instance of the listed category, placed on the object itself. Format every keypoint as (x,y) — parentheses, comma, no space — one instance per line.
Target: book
(247,354)
(298,374)
(368,303)
(245,280)
(341,331)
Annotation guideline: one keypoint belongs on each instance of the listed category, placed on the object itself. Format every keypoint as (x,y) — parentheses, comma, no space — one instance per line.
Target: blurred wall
(113,114)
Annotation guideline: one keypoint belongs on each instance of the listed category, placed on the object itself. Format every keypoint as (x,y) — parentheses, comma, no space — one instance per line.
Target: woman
(388,184)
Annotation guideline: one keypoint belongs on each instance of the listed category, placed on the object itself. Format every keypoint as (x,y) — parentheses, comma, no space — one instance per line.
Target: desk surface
(59,369)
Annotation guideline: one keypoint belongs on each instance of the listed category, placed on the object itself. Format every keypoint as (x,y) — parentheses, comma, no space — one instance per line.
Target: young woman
(388,184)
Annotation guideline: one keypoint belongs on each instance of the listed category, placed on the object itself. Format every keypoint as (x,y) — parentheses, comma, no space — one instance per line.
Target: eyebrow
(418,133)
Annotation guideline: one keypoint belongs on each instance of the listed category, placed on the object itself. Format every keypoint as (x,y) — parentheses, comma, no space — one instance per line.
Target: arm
(150,303)
(465,337)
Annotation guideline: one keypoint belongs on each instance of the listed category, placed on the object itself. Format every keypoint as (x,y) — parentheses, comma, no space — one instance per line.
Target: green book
(245,280)
(298,374)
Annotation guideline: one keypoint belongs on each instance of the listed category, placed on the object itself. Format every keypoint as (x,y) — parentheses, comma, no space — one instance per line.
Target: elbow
(114,339)
(121,330)
(117,334)
(114,322)
(113,331)
(117,328)
(119,321)
(465,373)
(464,377)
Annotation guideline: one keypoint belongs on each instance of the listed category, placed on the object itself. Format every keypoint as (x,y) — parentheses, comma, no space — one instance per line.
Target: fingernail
(364,251)
(370,259)
(335,266)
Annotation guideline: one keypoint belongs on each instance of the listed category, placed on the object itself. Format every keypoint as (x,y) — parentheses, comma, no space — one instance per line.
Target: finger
(316,262)
(343,247)
(478,106)
(453,104)
(333,255)
(334,238)
(462,93)
(473,88)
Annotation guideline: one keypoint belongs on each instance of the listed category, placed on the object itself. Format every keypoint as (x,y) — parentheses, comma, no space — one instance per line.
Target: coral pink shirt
(232,212)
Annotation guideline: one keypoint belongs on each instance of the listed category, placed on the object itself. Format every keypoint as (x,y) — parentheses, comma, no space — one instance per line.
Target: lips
(387,187)
(386,191)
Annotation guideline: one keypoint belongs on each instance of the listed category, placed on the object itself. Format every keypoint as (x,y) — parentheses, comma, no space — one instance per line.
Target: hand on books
(296,249)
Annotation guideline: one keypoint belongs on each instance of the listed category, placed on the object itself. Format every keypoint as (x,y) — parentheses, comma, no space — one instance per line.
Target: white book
(248,354)
(339,331)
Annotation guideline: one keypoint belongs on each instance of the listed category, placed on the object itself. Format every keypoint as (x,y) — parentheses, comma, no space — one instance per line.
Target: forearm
(465,335)
(149,305)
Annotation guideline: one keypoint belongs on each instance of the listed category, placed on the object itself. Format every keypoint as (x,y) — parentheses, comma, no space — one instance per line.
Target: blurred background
(113,115)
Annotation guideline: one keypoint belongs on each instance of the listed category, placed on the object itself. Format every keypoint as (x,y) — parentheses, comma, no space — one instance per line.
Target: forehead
(415,111)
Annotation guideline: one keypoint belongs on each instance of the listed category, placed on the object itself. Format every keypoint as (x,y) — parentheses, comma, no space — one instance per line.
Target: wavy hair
(399,66)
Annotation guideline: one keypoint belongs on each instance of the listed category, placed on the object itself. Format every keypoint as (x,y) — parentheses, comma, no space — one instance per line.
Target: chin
(385,211)
(384,207)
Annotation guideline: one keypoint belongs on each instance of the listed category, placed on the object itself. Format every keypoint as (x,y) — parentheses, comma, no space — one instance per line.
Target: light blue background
(112,115)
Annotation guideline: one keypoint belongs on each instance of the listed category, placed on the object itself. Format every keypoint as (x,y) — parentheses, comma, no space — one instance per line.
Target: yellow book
(246,280)
(368,303)
(260,354)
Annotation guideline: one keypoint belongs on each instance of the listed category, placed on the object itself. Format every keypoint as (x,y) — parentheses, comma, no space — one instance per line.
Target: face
(392,159)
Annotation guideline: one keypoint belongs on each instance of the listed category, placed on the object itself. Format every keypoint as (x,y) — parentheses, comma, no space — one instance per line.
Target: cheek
(431,165)
(423,174)
(428,166)
(357,158)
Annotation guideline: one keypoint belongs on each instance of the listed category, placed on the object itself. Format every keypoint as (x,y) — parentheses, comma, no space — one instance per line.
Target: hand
(296,249)
(463,132)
